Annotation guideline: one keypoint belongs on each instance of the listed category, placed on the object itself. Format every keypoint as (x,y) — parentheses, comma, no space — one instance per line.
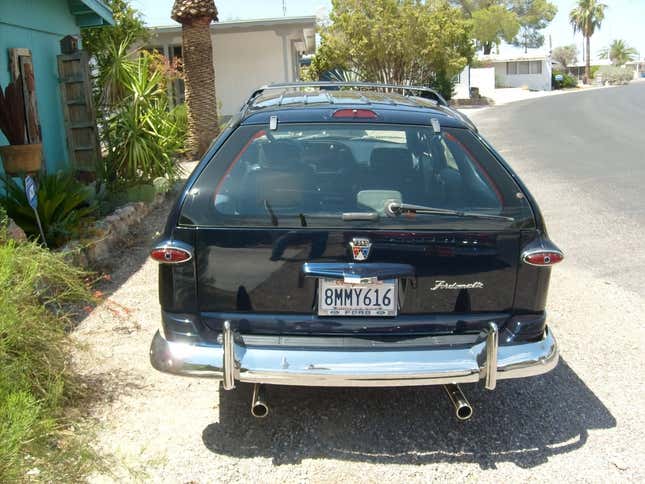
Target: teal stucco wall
(39,25)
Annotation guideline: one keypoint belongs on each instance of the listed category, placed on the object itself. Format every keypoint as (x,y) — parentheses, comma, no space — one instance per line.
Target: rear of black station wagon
(353,238)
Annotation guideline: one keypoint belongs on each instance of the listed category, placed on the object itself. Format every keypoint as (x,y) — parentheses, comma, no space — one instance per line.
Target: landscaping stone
(106,234)
(15,232)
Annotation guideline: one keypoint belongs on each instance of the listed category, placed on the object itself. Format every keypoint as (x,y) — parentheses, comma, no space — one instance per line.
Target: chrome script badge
(456,285)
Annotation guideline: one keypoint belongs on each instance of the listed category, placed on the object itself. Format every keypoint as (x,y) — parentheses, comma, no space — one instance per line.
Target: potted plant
(20,156)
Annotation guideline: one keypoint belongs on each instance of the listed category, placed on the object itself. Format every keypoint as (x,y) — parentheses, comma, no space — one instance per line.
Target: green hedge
(567,81)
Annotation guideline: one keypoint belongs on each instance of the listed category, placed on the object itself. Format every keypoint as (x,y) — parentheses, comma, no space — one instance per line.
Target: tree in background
(586,17)
(512,21)
(493,24)
(140,136)
(618,52)
(533,16)
(396,41)
(195,17)
(565,55)
(128,28)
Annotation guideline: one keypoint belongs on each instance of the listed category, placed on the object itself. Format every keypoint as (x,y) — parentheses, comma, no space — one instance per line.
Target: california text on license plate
(338,298)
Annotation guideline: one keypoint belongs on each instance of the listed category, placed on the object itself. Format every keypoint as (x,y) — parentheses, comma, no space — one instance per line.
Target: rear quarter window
(311,174)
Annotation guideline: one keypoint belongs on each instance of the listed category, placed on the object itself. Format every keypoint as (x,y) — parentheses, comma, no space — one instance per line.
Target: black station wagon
(354,235)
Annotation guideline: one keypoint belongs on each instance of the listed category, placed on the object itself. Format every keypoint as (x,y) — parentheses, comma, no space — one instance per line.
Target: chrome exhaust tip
(259,405)
(463,409)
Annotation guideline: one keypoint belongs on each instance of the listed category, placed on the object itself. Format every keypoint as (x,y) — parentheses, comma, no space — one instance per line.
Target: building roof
(306,23)
(513,58)
(597,62)
(91,13)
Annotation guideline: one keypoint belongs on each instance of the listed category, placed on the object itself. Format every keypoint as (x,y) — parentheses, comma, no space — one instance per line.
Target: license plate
(339,298)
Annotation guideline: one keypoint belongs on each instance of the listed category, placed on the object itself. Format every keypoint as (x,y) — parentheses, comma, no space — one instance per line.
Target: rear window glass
(311,174)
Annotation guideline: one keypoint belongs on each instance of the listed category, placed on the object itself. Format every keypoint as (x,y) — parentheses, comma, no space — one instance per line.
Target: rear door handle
(357,273)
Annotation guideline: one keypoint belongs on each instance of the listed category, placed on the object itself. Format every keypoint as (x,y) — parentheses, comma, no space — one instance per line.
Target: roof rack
(338,85)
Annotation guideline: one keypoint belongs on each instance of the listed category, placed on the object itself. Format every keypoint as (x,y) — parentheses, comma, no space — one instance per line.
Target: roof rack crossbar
(337,85)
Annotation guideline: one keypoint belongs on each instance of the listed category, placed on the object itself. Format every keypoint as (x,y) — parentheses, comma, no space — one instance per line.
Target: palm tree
(586,17)
(618,52)
(195,16)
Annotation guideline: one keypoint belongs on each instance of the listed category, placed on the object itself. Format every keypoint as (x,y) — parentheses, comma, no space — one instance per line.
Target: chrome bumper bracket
(492,341)
(228,363)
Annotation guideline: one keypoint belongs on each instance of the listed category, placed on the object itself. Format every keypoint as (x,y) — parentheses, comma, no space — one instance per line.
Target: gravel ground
(582,422)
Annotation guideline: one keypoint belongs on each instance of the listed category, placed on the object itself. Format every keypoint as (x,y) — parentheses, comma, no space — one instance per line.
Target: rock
(14,232)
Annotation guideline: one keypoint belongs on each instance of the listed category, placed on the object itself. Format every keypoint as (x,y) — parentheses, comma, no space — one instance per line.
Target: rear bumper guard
(334,367)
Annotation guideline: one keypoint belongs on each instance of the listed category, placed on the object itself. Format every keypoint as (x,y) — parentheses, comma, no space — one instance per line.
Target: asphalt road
(585,421)
(594,143)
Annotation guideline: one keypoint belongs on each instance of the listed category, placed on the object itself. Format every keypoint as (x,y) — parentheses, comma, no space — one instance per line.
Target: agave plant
(63,204)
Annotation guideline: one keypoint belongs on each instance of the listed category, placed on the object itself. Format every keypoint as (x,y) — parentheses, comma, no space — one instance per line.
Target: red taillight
(170,255)
(355,113)
(543,258)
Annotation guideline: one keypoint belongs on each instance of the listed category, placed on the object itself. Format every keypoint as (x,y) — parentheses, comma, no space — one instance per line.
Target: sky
(624,19)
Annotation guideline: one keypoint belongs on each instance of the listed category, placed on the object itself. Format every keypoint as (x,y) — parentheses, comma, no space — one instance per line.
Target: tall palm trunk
(195,17)
(588,59)
(200,85)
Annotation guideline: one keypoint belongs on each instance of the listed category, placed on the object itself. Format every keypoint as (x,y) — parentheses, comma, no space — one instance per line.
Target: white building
(532,71)
(461,89)
(246,54)
(638,66)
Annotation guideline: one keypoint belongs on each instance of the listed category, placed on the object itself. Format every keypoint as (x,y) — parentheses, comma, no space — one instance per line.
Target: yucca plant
(63,204)
(141,132)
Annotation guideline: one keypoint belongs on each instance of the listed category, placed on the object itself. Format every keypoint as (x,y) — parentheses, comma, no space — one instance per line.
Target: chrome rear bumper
(336,367)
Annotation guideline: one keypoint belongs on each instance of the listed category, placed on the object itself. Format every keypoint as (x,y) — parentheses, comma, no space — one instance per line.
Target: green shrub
(63,205)
(37,288)
(616,75)
(141,134)
(567,81)
(179,117)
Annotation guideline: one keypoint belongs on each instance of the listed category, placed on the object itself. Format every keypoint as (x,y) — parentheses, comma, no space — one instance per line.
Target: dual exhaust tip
(463,408)
(259,405)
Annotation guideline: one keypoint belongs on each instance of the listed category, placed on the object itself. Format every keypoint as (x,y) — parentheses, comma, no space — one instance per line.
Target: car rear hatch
(292,235)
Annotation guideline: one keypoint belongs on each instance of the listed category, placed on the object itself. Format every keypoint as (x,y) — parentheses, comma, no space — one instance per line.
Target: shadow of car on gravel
(523,421)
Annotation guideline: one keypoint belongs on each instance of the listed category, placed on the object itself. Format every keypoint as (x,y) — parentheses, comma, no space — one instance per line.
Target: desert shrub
(179,117)
(141,134)
(63,205)
(567,81)
(616,75)
(37,290)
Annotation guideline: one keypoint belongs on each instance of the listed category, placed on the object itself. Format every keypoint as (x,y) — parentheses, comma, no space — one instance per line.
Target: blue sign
(30,190)
(559,77)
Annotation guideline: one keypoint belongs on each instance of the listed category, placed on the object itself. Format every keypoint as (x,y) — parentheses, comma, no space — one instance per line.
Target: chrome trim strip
(228,358)
(492,341)
(351,368)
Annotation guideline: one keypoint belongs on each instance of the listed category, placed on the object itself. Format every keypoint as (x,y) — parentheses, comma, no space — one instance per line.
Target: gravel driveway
(584,421)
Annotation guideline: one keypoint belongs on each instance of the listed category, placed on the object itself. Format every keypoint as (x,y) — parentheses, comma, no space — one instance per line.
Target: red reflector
(170,255)
(546,258)
(355,113)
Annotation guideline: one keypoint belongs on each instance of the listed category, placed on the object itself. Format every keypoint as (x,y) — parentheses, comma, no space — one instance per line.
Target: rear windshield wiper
(394,208)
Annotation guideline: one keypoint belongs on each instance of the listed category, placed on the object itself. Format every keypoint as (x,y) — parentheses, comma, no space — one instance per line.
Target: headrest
(391,159)
(280,153)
